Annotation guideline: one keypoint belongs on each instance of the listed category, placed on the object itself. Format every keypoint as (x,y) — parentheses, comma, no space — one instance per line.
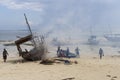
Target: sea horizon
(12,34)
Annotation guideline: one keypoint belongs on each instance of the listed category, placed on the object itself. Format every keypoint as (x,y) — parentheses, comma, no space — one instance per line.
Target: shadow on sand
(16,61)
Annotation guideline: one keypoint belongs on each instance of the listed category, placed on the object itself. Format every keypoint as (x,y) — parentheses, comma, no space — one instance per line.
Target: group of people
(60,53)
(65,53)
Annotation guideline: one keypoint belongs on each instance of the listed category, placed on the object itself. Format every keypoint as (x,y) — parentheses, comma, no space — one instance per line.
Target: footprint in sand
(108,75)
(69,78)
(114,77)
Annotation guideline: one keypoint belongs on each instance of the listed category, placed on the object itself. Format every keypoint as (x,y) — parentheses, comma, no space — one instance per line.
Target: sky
(61,16)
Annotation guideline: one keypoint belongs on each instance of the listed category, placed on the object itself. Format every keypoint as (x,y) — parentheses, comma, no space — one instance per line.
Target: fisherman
(5,53)
(77,51)
(62,53)
(101,53)
(58,51)
(67,52)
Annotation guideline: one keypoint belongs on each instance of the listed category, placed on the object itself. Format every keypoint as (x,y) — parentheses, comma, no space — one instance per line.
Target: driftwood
(47,61)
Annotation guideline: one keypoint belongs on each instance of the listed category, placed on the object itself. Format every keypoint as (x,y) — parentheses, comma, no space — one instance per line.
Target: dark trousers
(5,57)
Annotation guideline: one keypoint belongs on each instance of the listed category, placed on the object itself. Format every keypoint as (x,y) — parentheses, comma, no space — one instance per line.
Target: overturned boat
(39,49)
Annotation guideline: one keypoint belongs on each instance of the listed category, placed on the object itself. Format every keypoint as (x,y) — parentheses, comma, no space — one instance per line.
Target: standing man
(58,51)
(77,51)
(67,52)
(5,53)
(101,53)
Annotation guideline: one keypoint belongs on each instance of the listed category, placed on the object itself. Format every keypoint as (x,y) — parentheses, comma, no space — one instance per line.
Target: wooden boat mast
(30,30)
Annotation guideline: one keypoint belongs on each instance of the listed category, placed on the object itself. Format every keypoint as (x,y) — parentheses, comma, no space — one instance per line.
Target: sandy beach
(77,39)
(88,68)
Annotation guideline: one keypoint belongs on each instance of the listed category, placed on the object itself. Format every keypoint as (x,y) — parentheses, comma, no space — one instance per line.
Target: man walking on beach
(101,53)
(5,53)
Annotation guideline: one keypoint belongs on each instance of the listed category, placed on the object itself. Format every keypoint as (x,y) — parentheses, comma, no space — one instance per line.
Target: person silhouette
(101,53)
(5,53)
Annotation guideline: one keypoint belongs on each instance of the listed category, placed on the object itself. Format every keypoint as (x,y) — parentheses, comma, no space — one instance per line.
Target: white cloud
(12,4)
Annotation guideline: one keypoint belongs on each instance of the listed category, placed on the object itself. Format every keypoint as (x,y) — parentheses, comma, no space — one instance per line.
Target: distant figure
(60,53)
(77,51)
(67,52)
(58,50)
(5,53)
(101,53)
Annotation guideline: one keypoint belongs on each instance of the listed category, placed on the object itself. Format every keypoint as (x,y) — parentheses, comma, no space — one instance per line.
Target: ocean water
(84,48)
(12,34)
